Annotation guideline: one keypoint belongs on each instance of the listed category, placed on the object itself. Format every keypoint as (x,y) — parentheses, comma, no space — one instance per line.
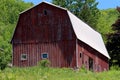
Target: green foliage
(113,43)
(38,73)
(84,9)
(83,69)
(5,54)
(44,63)
(9,12)
(3,61)
(116,67)
(106,19)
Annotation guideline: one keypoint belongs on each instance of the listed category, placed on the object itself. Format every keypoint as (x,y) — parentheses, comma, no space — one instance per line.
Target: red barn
(47,31)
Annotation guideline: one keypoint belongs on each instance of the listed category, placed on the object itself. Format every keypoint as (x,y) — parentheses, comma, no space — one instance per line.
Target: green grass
(37,73)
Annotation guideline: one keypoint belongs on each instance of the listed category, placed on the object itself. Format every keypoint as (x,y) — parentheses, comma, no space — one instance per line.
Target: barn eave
(15,30)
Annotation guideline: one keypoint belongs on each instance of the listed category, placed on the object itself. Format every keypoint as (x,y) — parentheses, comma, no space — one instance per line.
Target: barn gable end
(41,16)
(44,29)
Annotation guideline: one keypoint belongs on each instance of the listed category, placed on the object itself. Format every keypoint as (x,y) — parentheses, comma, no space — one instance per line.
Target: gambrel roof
(84,32)
(87,35)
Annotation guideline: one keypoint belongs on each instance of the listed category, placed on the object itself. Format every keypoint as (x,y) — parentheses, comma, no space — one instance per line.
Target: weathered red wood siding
(57,54)
(100,62)
(38,32)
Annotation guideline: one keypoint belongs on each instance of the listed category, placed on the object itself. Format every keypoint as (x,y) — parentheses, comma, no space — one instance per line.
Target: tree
(86,10)
(113,43)
(107,17)
(10,9)
(9,12)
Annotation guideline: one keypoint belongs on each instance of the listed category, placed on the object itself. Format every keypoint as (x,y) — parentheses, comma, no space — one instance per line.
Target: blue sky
(103,4)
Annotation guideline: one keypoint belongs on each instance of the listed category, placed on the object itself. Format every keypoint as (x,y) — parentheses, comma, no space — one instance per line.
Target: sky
(103,4)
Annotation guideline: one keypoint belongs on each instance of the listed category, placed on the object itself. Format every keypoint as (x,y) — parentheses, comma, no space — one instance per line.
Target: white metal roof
(87,35)
(84,32)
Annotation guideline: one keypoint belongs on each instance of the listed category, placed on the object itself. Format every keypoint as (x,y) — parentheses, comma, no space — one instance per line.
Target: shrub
(83,69)
(44,63)
(115,68)
(3,61)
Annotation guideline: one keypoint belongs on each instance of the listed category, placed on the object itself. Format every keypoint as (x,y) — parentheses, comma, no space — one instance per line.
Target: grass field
(38,73)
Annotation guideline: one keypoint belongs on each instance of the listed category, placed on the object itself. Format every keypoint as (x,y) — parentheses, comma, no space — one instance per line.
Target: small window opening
(44,55)
(45,12)
(80,55)
(23,56)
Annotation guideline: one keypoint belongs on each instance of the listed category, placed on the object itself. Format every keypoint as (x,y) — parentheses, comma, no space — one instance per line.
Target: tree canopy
(9,12)
(10,9)
(113,43)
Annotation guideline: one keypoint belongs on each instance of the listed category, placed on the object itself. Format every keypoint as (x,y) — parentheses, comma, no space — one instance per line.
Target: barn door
(90,64)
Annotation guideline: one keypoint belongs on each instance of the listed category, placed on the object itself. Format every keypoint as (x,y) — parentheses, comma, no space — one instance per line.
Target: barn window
(80,55)
(45,12)
(44,55)
(23,56)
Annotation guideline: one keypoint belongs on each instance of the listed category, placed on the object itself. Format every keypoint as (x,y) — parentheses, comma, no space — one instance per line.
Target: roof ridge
(41,3)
